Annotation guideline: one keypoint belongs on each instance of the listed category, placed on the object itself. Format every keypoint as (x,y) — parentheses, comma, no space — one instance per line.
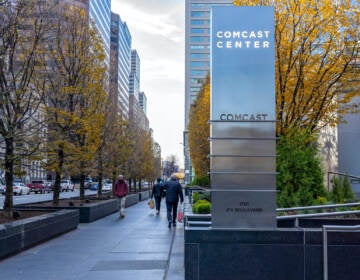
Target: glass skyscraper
(100,12)
(134,88)
(143,102)
(197,58)
(120,63)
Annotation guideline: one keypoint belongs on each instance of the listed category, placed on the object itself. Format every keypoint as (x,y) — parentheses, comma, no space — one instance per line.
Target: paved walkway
(140,246)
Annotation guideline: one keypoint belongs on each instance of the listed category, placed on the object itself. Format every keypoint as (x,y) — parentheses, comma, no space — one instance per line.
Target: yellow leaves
(311,61)
(77,88)
(199,131)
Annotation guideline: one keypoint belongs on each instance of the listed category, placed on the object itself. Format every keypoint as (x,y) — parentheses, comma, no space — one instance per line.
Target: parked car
(2,189)
(20,188)
(39,186)
(94,186)
(67,185)
(107,187)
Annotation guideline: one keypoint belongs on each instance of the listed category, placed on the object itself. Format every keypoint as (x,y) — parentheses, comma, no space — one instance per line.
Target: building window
(199,64)
(197,47)
(197,5)
(200,14)
(199,30)
(197,81)
(193,98)
(199,39)
(198,72)
(199,55)
(200,22)
(194,90)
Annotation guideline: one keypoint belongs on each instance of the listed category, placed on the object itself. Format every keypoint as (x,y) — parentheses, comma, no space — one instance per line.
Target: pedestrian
(173,192)
(157,193)
(121,189)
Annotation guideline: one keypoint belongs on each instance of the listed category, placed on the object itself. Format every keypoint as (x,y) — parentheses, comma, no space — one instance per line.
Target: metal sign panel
(242,147)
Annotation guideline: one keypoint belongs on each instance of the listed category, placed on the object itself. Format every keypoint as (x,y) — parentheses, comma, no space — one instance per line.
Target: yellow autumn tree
(199,131)
(317,59)
(74,103)
(23,28)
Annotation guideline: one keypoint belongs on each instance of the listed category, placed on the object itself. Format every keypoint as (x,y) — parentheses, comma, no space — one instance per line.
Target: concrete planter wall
(131,199)
(88,212)
(144,195)
(18,235)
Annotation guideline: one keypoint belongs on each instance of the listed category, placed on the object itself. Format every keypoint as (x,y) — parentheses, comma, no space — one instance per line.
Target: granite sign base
(243,209)
(278,254)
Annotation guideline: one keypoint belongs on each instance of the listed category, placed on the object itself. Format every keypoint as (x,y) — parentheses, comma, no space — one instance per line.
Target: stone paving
(140,246)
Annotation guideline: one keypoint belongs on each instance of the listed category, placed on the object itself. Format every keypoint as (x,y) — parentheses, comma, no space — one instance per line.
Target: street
(22,199)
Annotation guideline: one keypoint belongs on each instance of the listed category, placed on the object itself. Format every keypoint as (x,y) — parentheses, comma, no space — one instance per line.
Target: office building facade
(349,153)
(143,102)
(100,13)
(134,87)
(197,59)
(120,53)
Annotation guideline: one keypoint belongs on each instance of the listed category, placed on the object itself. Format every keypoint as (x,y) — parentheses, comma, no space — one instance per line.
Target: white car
(20,188)
(107,187)
(66,185)
(2,189)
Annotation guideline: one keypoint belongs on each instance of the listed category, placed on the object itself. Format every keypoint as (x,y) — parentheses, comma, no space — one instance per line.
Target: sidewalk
(140,246)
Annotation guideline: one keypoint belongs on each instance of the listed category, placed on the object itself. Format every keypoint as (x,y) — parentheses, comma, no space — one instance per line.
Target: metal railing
(326,229)
(341,174)
(317,215)
(318,207)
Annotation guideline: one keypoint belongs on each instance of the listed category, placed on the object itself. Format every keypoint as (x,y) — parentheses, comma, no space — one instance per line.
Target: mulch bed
(67,202)
(19,215)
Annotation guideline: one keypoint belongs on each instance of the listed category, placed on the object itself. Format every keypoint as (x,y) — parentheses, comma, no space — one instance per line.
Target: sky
(157,30)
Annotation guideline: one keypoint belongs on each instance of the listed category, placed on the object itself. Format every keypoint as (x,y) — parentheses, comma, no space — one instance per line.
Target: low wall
(131,199)
(19,235)
(87,212)
(144,195)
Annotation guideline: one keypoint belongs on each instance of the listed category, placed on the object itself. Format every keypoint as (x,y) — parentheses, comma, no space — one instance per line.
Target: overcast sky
(157,30)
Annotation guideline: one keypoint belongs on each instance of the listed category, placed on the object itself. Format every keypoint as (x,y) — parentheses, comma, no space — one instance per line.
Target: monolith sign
(242,141)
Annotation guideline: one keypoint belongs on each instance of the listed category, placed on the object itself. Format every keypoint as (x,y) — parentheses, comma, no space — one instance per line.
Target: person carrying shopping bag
(173,192)
(157,193)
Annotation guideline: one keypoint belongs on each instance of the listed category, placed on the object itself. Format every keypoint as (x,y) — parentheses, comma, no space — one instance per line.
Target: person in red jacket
(121,189)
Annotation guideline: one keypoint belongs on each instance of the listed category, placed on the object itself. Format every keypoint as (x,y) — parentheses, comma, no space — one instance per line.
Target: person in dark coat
(173,192)
(157,193)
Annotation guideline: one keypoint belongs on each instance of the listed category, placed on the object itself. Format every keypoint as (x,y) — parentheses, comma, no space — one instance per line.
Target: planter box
(131,199)
(18,235)
(88,212)
(144,195)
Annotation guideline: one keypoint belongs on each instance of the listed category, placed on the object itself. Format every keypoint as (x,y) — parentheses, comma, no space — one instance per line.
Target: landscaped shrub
(203,181)
(321,200)
(341,190)
(201,196)
(195,197)
(300,178)
(202,207)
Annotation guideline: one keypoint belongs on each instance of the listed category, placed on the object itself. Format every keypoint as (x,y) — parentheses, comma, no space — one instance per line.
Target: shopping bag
(180,216)
(151,203)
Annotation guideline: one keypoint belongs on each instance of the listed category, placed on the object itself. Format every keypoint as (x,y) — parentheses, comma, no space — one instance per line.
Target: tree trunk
(130,184)
(100,175)
(82,184)
(58,173)
(99,191)
(9,175)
